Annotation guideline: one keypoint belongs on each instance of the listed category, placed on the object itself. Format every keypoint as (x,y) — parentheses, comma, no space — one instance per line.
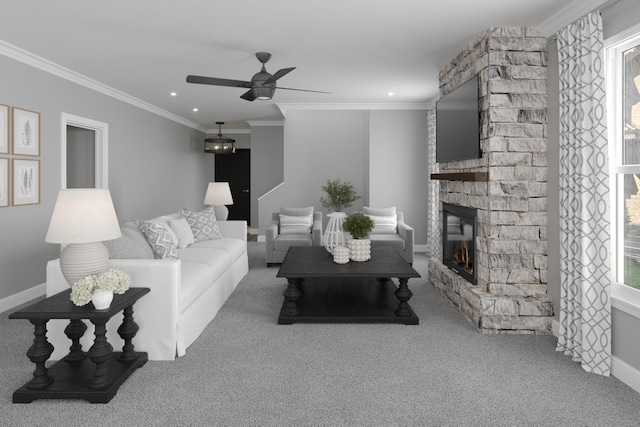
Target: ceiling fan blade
(248,95)
(217,82)
(302,90)
(278,74)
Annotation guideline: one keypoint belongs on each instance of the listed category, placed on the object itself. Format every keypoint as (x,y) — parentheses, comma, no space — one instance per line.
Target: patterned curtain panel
(433,191)
(585,272)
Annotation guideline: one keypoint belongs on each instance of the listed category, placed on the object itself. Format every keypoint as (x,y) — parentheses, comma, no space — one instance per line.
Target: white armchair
(391,230)
(292,227)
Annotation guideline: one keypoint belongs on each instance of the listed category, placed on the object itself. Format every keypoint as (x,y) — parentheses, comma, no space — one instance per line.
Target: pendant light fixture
(219,144)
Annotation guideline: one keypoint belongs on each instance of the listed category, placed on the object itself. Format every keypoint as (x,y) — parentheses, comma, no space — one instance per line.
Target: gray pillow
(379,211)
(131,245)
(297,211)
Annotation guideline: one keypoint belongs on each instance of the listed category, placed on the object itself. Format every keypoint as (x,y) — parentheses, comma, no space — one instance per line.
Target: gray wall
(267,163)
(625,345)
(156,166)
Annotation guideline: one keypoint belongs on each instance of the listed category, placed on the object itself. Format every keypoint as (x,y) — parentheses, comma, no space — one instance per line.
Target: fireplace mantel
(461,176)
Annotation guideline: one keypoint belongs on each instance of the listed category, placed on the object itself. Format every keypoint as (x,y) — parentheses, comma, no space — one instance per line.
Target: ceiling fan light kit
(262,85)
(219,144)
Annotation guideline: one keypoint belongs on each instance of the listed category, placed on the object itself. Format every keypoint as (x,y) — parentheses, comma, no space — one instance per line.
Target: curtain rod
(553,38)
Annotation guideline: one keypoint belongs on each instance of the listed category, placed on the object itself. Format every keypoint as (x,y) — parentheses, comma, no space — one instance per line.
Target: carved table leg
(75,330)
(127,331)
(99,353)
(291,295)
(403,294)
(39,353)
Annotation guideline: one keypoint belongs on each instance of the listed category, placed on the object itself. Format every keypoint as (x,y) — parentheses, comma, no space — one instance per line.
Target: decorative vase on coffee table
(333,234)
(359,249)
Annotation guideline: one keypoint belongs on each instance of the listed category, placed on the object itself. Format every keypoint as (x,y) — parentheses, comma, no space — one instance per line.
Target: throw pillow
(384,224)
(296,224)
(203,224)
(159,238)
(297,211)
(182,231)
(379,211)
(131,245)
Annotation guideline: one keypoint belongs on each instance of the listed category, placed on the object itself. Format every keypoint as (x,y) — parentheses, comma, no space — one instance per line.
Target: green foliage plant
(339,195)
(358,225)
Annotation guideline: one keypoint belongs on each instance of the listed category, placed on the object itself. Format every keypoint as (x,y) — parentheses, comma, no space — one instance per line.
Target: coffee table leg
(403,294)
(75,330)
(127,331)
(39,353)
(291,295)
(99,353)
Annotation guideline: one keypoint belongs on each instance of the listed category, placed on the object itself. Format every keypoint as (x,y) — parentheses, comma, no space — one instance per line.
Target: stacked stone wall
(511,249)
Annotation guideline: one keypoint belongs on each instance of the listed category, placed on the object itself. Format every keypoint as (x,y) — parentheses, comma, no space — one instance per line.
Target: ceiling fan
(261,86)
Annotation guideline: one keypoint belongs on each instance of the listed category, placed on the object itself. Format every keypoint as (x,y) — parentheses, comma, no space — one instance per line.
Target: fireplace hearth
(458,240)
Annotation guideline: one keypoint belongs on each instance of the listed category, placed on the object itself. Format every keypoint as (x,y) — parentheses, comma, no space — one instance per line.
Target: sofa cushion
(159,238)
(183,232)
(203,224)
(296,224)
(131,245)
(204,255)
(195,279)
(284,241)
(393,240)
(234,247)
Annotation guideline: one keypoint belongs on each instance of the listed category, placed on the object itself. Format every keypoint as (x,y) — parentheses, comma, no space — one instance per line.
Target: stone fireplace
(506,188)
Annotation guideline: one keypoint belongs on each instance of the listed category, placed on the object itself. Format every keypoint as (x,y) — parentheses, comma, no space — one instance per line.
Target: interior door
(236,170)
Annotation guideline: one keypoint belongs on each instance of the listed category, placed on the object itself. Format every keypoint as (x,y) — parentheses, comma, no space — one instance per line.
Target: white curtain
(585,272)
(434,245)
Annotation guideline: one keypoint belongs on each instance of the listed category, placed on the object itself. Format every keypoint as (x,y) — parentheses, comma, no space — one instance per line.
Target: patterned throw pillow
(159,238)
(203,224)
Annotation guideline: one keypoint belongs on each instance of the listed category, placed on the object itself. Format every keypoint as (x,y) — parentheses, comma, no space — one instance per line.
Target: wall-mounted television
(458,124)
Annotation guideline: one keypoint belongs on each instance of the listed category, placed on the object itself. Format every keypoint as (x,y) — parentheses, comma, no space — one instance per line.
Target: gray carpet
(245,370)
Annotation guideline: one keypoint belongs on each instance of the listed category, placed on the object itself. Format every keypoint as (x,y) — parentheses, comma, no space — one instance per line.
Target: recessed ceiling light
(390,94)
(195,109)
(173,94)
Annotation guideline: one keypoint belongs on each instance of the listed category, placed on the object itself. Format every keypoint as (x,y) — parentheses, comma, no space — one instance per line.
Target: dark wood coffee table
(321,291)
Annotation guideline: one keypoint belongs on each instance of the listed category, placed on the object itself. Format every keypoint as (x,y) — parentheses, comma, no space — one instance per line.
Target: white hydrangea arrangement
(113,280)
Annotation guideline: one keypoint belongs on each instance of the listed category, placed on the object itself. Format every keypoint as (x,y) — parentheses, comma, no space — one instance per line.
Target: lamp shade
(218,194)
(83,215)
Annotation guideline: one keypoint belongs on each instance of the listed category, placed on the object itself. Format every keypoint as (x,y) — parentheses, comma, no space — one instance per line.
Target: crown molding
(570,13)
(265,123)
(229,131)
(28,58)
(284,107)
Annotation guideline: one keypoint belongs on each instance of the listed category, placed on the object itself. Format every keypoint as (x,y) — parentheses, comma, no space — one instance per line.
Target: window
(623,81)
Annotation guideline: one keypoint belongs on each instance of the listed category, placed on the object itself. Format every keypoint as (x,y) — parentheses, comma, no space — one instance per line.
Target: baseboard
(625,373)
(253,230)
(25,296)
(419,248)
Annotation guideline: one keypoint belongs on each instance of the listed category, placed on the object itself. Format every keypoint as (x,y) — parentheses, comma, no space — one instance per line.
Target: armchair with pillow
(292,227)
(390,229)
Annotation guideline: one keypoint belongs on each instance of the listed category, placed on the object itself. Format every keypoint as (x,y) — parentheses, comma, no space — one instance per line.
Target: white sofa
(186,293)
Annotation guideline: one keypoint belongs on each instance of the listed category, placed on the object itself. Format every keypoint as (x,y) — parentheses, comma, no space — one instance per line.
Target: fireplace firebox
(459,240)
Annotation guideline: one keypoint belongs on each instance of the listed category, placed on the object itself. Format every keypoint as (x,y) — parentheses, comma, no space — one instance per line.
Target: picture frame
(4,129)
(26,182)
(4,183)
(26,132)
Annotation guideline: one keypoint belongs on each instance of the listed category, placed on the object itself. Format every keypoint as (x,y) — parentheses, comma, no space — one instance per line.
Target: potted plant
(339,195)
(359,226)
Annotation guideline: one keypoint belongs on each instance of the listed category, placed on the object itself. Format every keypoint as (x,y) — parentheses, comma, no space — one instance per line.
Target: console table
(95,375)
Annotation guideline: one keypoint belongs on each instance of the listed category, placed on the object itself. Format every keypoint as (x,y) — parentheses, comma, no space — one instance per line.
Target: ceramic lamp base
(221,212)
(78,260)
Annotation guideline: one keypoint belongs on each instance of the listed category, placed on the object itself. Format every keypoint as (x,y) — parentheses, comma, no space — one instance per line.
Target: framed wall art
(26,132)
(26,182)
(4,183)
(4,129)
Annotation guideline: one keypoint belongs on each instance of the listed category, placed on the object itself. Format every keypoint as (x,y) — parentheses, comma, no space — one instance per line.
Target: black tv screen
(458,124)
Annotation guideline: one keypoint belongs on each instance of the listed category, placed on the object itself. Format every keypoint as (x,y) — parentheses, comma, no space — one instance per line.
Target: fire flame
(461,256)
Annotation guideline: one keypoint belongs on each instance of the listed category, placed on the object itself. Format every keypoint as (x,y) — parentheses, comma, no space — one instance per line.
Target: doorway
(82,138)
(236,170)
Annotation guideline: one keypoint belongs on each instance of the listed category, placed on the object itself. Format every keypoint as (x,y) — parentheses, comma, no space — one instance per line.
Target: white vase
(333,234)
(359,249)
(341,254)
(101,299)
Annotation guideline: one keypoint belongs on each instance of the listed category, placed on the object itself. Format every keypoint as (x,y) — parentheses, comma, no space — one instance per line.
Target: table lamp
(82,219)
(218,195)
